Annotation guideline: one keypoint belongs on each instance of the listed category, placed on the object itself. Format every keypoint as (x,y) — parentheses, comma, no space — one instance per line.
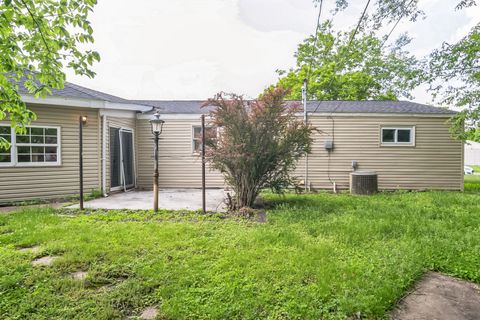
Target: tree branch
(38,26)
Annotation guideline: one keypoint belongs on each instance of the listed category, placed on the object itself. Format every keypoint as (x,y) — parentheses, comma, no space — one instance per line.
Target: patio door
(122,174)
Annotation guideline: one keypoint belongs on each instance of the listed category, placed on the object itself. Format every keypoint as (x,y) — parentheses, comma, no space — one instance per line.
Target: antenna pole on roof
(305,119)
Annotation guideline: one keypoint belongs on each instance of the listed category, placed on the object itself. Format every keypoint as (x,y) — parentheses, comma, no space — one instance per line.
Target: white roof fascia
(172,116)
(128,114)
(84,103)
(127,106)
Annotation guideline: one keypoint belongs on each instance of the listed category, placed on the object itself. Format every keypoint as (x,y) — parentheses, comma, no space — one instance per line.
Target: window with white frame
(6,151)
(398,136)
(210,136)
(38,145)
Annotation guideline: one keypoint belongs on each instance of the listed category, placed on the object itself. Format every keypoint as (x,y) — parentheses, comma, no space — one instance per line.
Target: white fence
(472,153)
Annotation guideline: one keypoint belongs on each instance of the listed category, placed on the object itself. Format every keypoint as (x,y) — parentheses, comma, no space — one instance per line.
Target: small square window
(397,136)
(210,136)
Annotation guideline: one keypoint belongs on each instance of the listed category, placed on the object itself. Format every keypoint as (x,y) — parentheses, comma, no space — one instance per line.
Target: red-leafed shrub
(259,143)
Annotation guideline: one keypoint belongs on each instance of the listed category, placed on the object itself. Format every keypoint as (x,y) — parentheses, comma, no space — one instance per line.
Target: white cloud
(187,49)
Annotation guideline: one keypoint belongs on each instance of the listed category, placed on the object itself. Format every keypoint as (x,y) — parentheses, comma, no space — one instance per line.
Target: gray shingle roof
(75,91)
(195,106)
(366,106)
(373,106)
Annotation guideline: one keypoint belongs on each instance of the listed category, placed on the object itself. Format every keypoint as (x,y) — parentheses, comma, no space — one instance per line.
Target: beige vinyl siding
(117,122)
(435,162)
(24,183)
(178,166)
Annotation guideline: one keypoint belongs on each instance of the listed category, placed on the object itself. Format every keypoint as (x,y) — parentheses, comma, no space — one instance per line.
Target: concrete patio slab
(440,297)
(170,199)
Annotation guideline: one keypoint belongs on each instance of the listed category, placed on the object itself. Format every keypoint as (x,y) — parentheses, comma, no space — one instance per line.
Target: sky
(191,49)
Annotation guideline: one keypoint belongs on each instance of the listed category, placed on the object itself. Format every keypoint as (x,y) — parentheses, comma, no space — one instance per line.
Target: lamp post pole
(204,201)
(157,125)
(155,174)
(82,120)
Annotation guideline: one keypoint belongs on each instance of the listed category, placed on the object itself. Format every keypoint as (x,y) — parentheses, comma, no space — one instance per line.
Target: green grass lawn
(472,182)
(319,256)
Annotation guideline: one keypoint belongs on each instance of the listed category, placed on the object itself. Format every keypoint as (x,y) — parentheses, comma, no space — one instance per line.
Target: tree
(389,11)
(452,71)
(454,79)
(259,144)
(38,39)
(341,67)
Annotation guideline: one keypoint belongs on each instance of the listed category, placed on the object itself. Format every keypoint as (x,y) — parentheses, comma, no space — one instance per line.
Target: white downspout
(104,155)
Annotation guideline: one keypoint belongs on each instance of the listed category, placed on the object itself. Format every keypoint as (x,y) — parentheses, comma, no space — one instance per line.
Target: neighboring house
(472,153)
(406,143)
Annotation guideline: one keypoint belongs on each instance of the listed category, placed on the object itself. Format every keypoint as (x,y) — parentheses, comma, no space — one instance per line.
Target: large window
(398,136)
(210,135)
(37,146)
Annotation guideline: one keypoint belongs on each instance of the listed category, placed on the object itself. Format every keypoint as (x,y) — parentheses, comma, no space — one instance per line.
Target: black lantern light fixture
(157,126)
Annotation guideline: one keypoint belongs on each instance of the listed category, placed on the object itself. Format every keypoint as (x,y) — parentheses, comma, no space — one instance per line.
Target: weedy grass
(319,256)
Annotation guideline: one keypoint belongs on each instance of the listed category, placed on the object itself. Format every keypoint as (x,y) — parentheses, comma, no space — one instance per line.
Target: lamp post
(157,126)
(82,120)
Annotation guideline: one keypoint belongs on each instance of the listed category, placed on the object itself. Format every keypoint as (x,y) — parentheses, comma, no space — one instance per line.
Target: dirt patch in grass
(33,249)
(149,313)
(44,261)
(79,275)
(440,297)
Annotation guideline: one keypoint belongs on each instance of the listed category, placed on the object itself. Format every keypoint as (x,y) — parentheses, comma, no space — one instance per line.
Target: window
(5,151)
(398,136)
(210,136)
(37,146)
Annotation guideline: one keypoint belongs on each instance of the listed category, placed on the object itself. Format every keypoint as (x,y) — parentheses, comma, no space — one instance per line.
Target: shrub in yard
(259,144)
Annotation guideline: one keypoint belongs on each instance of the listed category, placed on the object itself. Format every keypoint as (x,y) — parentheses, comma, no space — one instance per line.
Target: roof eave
(84,103)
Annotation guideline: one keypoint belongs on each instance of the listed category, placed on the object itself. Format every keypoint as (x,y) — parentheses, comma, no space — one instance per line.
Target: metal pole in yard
(305,119)
(81,120)
(204,204)
(155,174)
(156,125)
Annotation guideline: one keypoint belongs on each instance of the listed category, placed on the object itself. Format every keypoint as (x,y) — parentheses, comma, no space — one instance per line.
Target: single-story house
(407,144)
